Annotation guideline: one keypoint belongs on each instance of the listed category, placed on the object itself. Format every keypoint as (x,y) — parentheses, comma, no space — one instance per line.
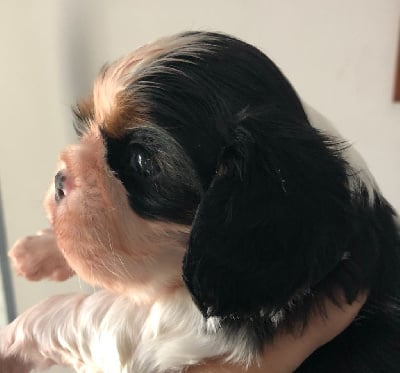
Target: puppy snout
(59,185)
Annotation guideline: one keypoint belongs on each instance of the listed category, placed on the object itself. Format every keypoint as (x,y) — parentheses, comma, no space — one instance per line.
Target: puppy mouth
(60,190)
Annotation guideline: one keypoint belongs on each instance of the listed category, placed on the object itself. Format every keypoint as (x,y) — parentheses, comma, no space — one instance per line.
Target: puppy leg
(93,333)
(44,335)
(106,332)
(38,257)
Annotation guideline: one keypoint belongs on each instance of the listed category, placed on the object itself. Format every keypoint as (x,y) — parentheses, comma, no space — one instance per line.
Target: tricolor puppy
(196,149)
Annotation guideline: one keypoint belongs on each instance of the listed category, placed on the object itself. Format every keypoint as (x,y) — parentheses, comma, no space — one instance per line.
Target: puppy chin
(103,240)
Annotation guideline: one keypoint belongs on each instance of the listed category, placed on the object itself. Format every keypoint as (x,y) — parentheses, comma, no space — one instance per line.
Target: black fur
(160,180)
(276,225)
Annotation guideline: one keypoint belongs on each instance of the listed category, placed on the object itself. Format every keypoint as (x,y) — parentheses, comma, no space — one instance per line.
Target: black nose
(59,186)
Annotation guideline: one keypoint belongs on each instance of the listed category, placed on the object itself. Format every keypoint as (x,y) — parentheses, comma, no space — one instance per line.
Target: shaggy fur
(197,149)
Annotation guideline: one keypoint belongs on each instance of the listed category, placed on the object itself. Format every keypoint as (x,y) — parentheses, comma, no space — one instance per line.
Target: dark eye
(142,162)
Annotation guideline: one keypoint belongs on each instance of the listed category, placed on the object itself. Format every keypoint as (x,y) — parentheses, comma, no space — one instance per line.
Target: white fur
(110,333)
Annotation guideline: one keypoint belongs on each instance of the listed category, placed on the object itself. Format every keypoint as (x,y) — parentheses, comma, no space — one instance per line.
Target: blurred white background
(340,55)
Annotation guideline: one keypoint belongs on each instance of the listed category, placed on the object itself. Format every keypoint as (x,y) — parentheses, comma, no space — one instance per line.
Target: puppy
(195,149)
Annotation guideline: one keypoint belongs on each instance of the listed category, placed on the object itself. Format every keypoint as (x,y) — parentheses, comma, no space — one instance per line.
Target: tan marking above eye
(114,107)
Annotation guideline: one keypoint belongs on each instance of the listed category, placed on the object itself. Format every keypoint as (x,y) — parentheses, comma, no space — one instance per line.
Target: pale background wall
(339,54)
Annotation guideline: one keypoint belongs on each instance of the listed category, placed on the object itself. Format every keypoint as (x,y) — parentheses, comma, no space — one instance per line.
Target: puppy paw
(38,257)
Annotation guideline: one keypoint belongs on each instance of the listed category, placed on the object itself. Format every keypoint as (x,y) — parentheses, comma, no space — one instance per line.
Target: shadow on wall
(7,300)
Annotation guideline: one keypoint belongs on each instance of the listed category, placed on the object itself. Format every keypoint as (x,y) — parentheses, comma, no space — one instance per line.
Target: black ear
(274,220)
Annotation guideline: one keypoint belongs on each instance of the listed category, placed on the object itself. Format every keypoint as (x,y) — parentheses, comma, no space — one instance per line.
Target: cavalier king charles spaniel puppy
(213,208)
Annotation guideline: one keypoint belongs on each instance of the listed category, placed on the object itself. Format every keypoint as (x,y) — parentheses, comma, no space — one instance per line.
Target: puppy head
(197,144)
(104,240)
(124,197)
